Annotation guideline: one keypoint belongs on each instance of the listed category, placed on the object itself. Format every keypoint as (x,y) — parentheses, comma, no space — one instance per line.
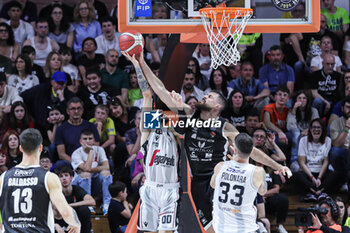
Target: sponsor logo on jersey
(285,5)
(161,159)
(236,170)
(20,172)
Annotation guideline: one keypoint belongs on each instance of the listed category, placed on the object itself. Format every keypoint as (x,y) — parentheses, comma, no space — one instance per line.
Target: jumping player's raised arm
(257,155)
(57,198)
(159,88)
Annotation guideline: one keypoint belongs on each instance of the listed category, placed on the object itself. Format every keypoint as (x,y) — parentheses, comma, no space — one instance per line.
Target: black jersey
(24,202)
(205,146)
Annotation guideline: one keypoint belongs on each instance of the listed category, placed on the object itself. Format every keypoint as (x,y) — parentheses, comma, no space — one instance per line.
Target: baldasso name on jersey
(233,177)
(31,181)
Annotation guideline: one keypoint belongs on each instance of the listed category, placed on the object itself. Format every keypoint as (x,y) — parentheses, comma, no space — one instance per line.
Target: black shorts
(202,195)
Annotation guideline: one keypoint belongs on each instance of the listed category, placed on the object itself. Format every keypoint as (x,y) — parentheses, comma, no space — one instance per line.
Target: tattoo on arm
(76,217)
(141,80)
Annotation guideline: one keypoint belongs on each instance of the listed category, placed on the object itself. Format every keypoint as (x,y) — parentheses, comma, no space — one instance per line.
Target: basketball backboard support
(183,16)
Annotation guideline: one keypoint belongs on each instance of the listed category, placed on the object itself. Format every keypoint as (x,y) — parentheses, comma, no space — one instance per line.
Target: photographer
(328,223)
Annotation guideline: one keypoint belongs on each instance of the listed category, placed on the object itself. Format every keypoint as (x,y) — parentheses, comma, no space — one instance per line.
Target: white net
(224,30)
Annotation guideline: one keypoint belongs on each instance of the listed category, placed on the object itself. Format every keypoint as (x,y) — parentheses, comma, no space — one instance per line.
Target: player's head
(65,173)
(213,101)
(30,141)
(118,190)
(244,145)
(87,137)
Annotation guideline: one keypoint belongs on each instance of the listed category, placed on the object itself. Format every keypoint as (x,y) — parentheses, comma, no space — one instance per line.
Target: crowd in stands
(62,72)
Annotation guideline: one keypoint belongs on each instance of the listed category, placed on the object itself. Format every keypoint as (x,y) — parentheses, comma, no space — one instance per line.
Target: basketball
(131,42)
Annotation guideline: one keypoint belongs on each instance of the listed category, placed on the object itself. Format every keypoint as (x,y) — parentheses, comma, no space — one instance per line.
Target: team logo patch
(151,119)
(285,5)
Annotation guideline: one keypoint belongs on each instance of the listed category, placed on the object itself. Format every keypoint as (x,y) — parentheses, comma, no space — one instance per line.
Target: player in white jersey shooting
(160,193)
(236,183)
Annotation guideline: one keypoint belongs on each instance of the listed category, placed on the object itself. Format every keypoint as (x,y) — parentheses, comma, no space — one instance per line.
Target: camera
(304,218)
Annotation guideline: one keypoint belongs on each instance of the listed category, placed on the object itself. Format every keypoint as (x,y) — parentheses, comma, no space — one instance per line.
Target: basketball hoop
(224,30)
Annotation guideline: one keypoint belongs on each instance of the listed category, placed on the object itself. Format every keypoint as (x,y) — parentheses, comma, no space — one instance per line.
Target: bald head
(328,63)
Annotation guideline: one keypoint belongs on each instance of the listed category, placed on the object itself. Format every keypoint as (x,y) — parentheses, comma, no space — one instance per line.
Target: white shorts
(158,206)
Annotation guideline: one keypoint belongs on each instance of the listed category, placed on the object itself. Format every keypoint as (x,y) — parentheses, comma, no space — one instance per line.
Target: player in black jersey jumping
(207,145)
(27,190)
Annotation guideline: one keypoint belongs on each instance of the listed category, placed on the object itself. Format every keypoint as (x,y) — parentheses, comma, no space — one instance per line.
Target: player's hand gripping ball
(131,42)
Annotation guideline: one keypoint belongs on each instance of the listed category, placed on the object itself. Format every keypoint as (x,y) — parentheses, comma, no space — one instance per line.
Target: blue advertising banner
(143,8)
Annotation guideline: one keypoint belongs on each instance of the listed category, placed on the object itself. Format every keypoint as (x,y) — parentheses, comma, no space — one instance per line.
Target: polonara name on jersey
(228,175)
(30,181)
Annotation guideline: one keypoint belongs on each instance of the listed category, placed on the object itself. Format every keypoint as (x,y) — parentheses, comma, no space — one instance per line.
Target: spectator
(8,46)
(68,133)
(274,115)
(109,38)
(252,122)
(19,119)
(54,119)
(52,65)
(298,120)
(133,139)
(325,86)
(22,30)
(45,160)
(342,212)
(69,68)
(277,73)
(203,57)
(237,108)
(85,24)
(42,44)
(326,48)
(105,127)
(315,178)
(263,222)
(234,71)
(218,82)
(188,87)
(114,76)
(119,211)
(59,28)
(92,166)
(90,59)
(202,82)
(67,11)
(337,18)
(29,13)
(3,161)
(134,92)
(256,93)
(250,46)
(100,9)
(192,101)
(23,79)
(10,145)
(76,197)
(339,132)
(47,94)
(36,70)
(8,94)
(266,143)
(5,65)
(94,93)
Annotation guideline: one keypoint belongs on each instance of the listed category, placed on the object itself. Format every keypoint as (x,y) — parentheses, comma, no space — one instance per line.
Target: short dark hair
(86,131)
(45,155)
(247,63)
(89,38)
(345,100)
(115,188)
(64,169)
(28,49)
(30,140)
(244,144)
(15,4)
(189,71)
(107,19)
(275,47)
(65,50)
(41,20)
(253,113)
(75,100)
(283,88)
(221,99)
(93,70)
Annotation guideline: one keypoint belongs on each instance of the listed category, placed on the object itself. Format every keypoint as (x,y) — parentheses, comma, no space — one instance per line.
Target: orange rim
(232,12)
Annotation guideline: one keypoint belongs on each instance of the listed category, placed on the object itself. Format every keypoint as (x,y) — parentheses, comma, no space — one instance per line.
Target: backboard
(182,16)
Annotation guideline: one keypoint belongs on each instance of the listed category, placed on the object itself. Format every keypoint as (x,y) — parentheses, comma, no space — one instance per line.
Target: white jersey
(161,157)
(234,195)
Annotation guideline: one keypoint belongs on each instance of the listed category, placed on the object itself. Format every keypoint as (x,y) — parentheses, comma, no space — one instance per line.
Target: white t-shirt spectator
(23,32)
(21,85)
(72,70)
(79,157)
(103,45)
(314,153)
(317,62)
